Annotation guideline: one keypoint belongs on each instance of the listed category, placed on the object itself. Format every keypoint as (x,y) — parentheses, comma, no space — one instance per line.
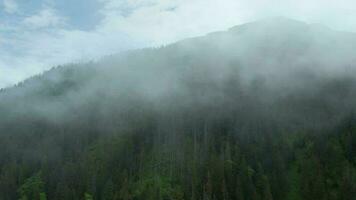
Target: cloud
(10,6)
(42,38)
(162,21)
(36,51)
(44,18)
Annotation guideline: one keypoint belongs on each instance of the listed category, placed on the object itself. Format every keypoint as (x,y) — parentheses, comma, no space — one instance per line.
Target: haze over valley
(262,111)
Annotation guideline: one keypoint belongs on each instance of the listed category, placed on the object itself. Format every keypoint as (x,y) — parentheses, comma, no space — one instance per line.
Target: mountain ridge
(255,26)
(263,114)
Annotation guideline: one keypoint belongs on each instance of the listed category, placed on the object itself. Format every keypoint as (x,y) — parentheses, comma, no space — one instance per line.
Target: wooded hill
(263,111)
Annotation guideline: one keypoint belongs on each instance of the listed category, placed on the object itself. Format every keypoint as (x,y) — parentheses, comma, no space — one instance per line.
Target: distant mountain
(262,111)
(280,55)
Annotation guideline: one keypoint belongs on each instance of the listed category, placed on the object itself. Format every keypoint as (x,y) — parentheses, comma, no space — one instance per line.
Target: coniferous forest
(235,115)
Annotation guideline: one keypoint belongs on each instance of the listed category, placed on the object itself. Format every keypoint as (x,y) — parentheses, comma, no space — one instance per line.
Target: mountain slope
(264,110)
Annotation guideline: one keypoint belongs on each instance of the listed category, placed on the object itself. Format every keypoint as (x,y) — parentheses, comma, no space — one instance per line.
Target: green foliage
(87,196)
(156,187)
(178,123)
(123,167)
(32,188)
(294,183)
(43,196)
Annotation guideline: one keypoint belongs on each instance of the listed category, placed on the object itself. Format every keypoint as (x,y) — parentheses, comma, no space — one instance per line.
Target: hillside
(262,111)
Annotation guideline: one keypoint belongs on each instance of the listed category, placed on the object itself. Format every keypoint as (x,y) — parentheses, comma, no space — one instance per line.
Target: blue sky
(36,35)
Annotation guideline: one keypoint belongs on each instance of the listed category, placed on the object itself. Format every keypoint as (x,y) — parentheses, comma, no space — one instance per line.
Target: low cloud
(42,39)
(10,6)
(45,18)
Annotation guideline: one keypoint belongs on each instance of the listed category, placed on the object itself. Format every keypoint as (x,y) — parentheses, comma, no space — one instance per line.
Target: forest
(235,115)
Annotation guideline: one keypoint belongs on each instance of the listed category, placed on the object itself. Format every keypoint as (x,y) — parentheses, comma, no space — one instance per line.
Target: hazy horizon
(40,34)
(177,100)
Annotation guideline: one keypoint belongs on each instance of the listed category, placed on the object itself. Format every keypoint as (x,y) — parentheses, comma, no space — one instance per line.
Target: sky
(36,35)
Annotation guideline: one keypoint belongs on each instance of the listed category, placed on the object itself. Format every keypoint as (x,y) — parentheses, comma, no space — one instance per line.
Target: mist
(37,36)
(263,110)
(278,56)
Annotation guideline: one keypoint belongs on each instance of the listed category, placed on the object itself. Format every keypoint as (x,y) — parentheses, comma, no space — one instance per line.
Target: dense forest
(238,115)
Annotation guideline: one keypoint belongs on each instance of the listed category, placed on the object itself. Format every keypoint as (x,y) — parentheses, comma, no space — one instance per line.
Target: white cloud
(47,17)
(166,21)
(42,40)
(10,6)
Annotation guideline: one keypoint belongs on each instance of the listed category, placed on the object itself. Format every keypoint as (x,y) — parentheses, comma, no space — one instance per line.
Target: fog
(37,36)
(266,61)
(264,110)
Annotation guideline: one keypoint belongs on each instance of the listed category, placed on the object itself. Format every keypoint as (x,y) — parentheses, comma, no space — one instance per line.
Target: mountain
(262,111)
